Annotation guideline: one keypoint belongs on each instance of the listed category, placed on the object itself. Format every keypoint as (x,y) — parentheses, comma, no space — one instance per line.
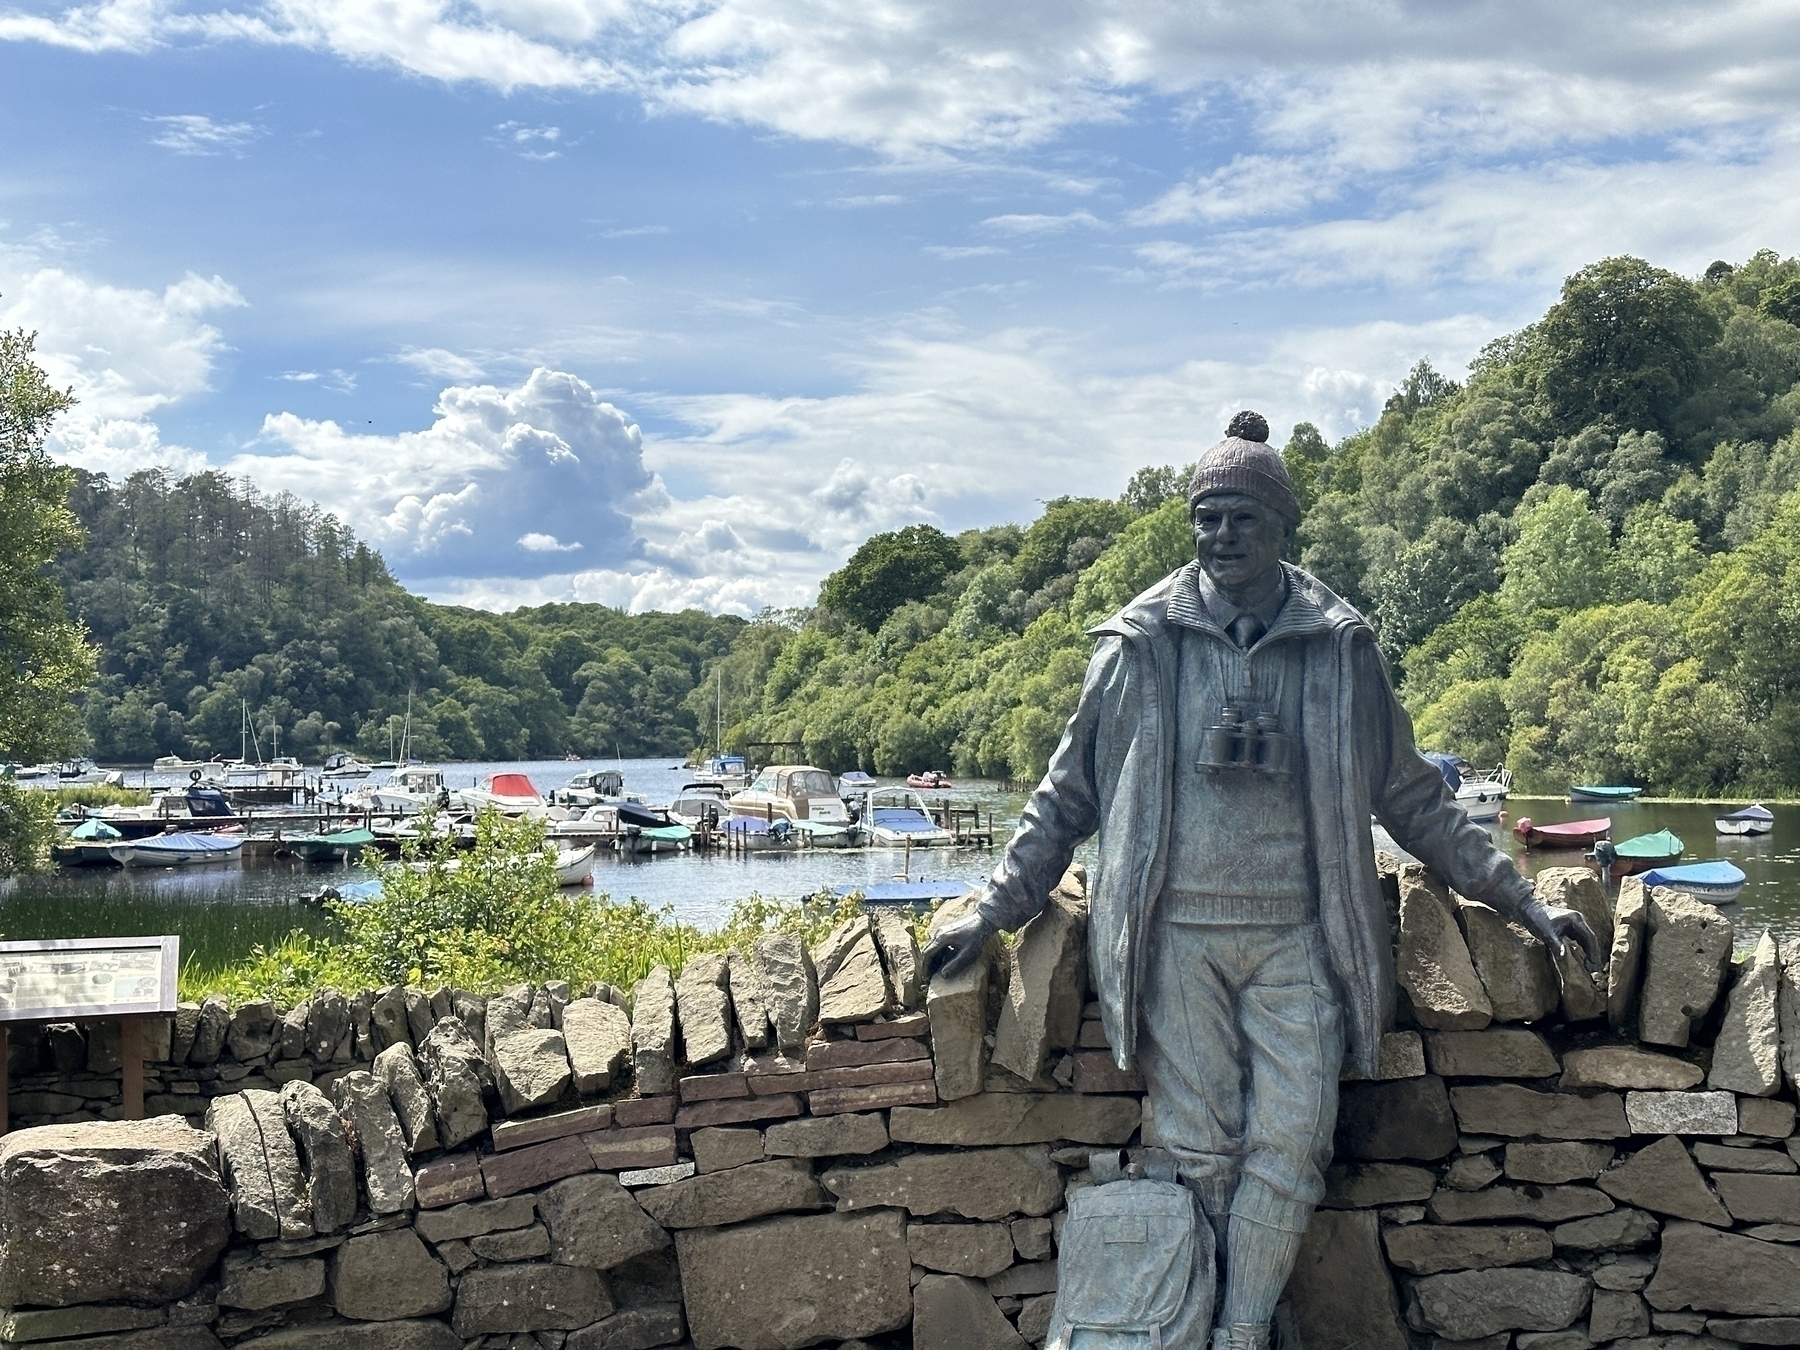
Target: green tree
(1305,455)
(1561,558)
(887,571)
(1624,344)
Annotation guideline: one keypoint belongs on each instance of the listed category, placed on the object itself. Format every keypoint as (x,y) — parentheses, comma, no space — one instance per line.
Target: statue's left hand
(956,946)
(1556,925)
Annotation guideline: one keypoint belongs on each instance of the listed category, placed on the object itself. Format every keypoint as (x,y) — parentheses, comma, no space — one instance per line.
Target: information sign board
(70,978)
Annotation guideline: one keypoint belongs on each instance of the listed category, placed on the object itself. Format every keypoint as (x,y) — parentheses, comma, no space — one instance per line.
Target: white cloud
(440,364)
(952,251)
(194,134)
(500,483)
(633,231)
(1041,224)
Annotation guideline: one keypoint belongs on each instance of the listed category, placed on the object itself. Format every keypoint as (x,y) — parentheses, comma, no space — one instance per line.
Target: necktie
(1246,629)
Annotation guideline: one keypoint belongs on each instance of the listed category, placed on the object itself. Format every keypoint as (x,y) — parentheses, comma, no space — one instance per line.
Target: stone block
(1433,961)
(1033,1239)
(1385,1122)
(330,1165)
(43,1324)
(255,1283)
(1375,1185)
(166,1214)
(1681,1112)
(1616,1313)
(1500,1052)
(639,1177)
(1756,1330)
(1425,1249)
(1662,1178)
(1535,1204)
(833,1101)
(792,986)
(520,1244)
(1095,1071)
(1033,1320)
(1770,1119)
(1625,1066)
(1512,1111)
(900,958)
(407,1335)
(384,1277)
(1472,1172)
(525,1169)
(633,1112)
(1513,966)
(594,1221)
(1759,1199)
(327,1023)
(704,1008)
(1041,1012)
(1747,1053)
(632,1329)
(958,1007)
(854,1054)
(1341,1292)
(1554,1163)
(826,1137)
(706,1087)
(1468,1305)
(1024,1280)
(387,1018)
(1401,1054)
(979,1184)
(643,1146)
(210,1030)
(1579,889)
(293,1209)
(253,1031)
(718,1148)
(991,1118)
(1720,1158)
(1621,1229)
(702,1114)
(1625,963)
(749,996)
(747,1192)
(245,1166)
(598,1038)
(370,1118)
(1689,951)
(472,1220)
(448,1181)
(511,1134)
(898,1024)
(852,982)
(531,1067)
(398,1071)
(796,1281)
(653,1032)
(454,1071)
(1704,1269)
(974,1249)
(507,1012)
(528,1298)
(953,1313)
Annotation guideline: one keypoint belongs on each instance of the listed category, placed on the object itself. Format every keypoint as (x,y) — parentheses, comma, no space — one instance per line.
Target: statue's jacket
(1112,776)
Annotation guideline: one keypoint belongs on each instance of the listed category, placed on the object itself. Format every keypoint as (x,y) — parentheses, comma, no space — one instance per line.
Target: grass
(99,794)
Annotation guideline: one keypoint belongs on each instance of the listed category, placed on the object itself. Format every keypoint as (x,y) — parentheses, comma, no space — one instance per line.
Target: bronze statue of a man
(1236,732)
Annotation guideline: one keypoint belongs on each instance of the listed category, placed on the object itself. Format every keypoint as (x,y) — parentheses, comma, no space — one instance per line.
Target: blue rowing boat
(909,892)
(1601,793)
(1717,881)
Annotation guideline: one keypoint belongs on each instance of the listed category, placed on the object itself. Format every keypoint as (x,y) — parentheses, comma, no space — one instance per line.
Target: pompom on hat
(1245,462)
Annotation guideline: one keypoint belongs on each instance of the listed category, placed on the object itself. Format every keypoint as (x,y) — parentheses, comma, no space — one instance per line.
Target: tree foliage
(887,571)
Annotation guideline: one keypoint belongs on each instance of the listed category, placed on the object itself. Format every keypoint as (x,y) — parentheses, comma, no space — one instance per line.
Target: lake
(223,911)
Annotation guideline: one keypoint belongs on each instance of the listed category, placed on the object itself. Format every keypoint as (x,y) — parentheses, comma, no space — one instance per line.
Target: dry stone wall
(789,1147)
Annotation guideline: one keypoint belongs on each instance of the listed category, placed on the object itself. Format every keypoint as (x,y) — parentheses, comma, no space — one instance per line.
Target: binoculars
(1245,739)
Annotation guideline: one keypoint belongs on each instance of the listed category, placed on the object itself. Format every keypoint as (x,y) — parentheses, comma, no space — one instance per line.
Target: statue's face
(1237,539)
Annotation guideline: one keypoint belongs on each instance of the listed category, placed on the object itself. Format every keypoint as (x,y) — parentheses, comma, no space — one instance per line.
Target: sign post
(89,980)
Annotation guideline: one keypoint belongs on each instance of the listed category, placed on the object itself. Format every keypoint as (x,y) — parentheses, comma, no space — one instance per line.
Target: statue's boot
(1241,1336)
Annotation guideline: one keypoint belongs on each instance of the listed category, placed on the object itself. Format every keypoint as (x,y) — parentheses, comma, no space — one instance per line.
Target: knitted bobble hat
(1245,462)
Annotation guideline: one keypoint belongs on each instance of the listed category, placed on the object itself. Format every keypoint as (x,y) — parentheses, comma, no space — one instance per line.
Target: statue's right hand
(956,946)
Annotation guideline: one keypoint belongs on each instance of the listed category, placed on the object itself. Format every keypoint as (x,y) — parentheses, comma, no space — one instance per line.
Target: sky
(668,303)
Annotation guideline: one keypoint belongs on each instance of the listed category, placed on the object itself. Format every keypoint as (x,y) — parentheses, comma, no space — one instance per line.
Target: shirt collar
(1290,609)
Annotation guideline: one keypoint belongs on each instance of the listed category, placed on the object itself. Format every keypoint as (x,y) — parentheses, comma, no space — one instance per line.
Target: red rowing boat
(1568,834)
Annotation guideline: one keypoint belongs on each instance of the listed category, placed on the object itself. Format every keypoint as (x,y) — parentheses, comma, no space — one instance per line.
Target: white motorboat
(700,804)
(411,791)
(343,766)
(575,866)
(177,850)
(592,787)
(1482,793)
(511,794)
(792,792)
(899,818)
(1756,819)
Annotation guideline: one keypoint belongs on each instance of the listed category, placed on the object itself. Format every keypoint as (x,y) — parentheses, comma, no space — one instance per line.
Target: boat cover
(188,842)
(1715,873)
(903,820)
(94,829)
(1446,765)
(1757,812)
(513,785)
(909,892)
(630,813)
(1572,829)
(1662,844)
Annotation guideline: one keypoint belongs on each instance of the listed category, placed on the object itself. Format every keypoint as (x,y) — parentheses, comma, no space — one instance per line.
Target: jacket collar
(1311,608)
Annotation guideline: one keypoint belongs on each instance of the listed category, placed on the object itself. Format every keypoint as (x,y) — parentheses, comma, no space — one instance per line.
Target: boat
(511,794)
(89,844)
(1482,793)
(1637,854)
(206,806)
(333,846)
(930,781)
(1717,881)
(181,849)
(794,792)
(700,804)
(813,834)
(1605,794)
(731,772)
(1756,819)
(754,834)
(409,791)
(345,766)
(595,787)
(174,764)
(854,784)
(646,839)
(899,818)
(1567,834)
(575,866)
(921,892)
